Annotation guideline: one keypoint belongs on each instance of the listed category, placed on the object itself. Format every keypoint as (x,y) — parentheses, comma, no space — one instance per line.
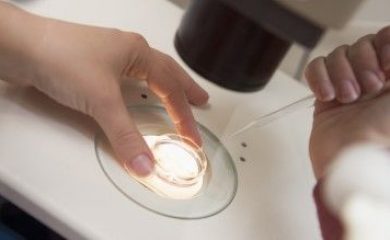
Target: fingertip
(202,99)
(371,82)
(326,95)
(342,75)
(319,81)
(325,91)
(196,95)
(134,154)
(347,92)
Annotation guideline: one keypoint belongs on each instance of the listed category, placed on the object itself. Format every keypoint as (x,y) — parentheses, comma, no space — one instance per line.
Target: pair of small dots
(244,145)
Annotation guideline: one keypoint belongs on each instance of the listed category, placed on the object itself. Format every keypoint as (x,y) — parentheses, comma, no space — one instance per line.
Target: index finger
(165,79)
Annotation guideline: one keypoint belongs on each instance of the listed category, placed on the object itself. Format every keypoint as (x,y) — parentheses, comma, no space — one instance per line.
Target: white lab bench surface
(48,165)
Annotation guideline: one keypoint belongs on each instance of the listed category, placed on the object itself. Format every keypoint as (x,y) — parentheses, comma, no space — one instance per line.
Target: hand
(83,67)
(336,125)
(352,71)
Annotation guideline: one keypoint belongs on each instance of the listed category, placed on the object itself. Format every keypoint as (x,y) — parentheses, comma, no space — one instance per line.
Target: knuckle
(170,62)
(382,37)
(117,36)
(313,65)
(127,142)
(341,49)
(338,53)
(125,137)
(365,39)
(309,68)
(317,61)
(384,33)
(361,46)
(140,57)
(116,32)
(138,40)
(169,59)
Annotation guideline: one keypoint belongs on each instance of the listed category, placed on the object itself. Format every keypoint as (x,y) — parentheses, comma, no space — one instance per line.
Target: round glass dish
(219,179)
(180,167)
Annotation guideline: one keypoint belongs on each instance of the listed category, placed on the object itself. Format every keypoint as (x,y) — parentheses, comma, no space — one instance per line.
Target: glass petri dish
(209,189)
(180,167)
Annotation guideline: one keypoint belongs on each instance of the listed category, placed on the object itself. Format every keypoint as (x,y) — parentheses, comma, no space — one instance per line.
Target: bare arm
(20,31)
(83,67)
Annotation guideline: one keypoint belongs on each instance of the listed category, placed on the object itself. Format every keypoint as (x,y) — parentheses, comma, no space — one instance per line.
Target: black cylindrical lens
(227,48)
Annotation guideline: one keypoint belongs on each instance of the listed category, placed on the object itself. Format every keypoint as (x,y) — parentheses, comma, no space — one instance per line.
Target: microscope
(239,44)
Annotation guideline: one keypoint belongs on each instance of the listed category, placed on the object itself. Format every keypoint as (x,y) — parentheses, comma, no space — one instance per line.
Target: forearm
(19,38)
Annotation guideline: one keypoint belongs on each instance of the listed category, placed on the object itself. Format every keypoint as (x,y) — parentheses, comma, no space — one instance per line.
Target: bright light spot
(180,167)
(177,160)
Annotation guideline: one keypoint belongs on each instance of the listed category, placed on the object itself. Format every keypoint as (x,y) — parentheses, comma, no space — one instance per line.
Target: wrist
(22,33)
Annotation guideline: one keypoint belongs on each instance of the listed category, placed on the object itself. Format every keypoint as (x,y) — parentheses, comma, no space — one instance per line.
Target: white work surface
(48,165)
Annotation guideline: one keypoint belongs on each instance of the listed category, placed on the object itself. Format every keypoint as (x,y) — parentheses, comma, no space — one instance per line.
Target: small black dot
(144,96)
(243,144)
(242,159)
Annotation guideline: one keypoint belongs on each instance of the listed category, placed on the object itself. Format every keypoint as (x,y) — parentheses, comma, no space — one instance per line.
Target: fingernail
(371,82)
(385,57)
(326,93)
(347,92)
(141,165)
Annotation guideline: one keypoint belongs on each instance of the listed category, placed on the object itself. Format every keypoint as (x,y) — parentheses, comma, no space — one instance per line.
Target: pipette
(270,117)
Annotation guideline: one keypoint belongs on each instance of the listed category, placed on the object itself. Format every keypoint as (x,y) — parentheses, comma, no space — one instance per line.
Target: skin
(353,98)
(84,67)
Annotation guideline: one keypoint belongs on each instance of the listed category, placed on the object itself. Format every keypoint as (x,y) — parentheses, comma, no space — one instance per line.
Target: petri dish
(201,188)
(180,167)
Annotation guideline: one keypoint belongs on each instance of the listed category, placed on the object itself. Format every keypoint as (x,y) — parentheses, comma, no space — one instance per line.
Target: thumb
(124,137)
